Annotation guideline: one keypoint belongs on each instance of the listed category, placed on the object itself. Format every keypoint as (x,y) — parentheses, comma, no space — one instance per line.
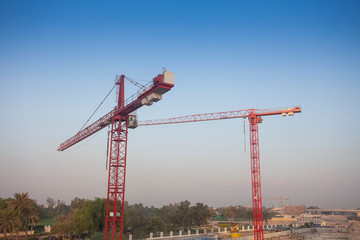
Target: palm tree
(30,216)
(9,222)
(19,204)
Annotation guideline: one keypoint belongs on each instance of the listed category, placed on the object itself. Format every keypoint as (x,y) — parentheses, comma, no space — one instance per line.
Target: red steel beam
(88,131)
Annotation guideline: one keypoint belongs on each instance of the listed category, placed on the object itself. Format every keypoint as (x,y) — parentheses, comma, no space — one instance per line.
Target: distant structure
(295,210)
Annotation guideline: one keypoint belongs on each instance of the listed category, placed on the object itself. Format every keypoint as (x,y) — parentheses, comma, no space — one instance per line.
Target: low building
(295,210)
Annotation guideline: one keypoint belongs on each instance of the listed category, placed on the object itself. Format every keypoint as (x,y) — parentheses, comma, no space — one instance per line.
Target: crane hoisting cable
(244,137)
(97,108)
(107,147)
(135,83)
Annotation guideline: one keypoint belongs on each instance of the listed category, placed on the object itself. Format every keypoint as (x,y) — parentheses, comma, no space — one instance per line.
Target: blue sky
(59,58)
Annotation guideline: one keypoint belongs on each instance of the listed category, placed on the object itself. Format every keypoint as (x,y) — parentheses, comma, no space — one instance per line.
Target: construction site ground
(320,234)
(338,227)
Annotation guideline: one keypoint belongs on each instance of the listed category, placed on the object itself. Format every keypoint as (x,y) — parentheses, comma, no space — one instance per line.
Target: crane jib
(222,115)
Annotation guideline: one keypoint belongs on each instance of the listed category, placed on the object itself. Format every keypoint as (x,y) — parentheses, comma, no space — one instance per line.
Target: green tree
(9,222)
(168,214)
(91,217)
(249,214)
(98,236)
(3,203)
(183,214)
(200,214)
(230,212)
(156,224)
(61,208)
(137,220)
(268,214)
(46,213)
(63,224)
(19,204)
(241,212)
(50,202)
(30,217)
(313,207)
(77,203)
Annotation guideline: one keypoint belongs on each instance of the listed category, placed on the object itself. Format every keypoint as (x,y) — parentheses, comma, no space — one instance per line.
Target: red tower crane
(254,116)
(121,119)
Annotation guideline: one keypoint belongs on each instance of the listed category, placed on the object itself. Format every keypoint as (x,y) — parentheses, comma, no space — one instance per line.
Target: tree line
(82,216)
(17,214)
(240,213)
(88,216)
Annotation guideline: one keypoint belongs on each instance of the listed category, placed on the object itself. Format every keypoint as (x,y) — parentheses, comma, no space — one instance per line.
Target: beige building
(295,210)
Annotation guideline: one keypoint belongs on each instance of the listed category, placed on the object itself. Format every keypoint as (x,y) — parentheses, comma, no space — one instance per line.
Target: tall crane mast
(255,117)
(121,119)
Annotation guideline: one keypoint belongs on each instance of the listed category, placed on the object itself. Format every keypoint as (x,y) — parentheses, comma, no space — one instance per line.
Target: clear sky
(58,60)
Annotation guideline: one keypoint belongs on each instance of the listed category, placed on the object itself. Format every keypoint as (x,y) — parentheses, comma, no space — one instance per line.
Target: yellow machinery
(235,232)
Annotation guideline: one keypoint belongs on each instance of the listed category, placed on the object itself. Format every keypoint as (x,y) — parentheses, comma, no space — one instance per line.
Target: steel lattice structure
(116,179)
(255,176)
(119,120)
